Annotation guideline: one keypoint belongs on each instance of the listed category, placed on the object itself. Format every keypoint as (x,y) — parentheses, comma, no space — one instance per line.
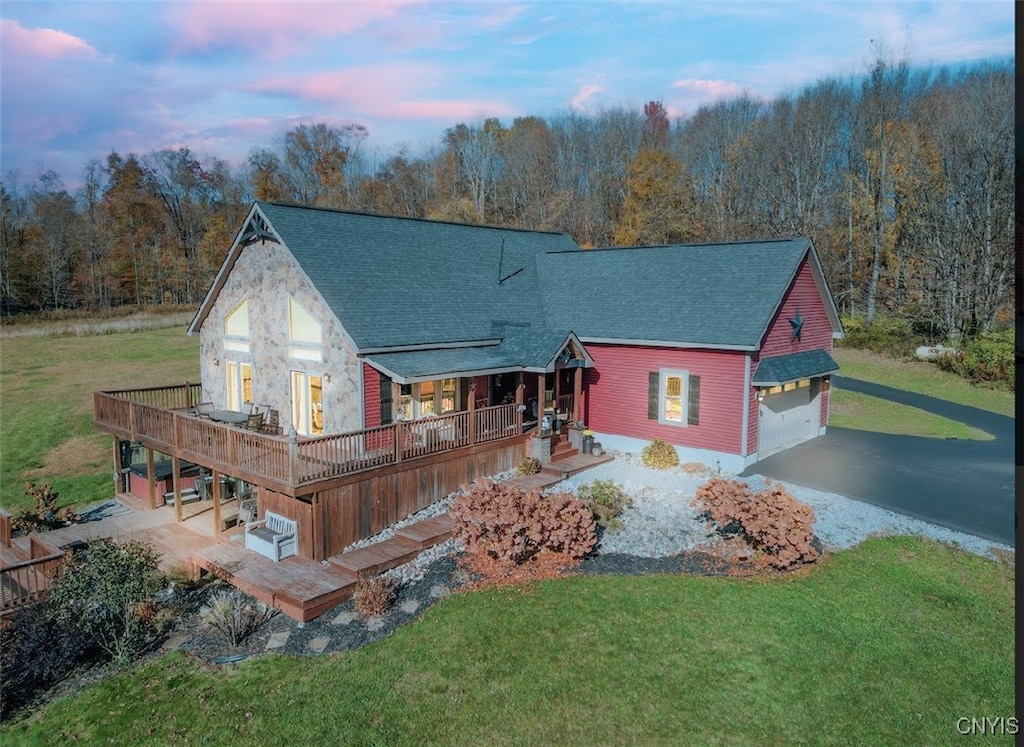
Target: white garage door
(788,417)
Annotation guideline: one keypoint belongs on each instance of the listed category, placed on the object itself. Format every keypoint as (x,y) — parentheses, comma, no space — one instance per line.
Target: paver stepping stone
(439,592)
(409,607)
(319,643)
(344,618)
(278,640)
(374,624)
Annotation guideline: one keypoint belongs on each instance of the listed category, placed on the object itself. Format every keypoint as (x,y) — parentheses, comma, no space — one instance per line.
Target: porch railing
(564,403)
(277,461)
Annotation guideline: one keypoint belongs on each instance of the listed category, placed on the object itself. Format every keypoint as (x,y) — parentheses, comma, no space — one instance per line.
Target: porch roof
(522,347)
(785,368)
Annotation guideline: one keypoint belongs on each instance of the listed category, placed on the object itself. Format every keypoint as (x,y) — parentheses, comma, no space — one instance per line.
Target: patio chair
(202,410)
(247,509)
(272,423)
(254,421)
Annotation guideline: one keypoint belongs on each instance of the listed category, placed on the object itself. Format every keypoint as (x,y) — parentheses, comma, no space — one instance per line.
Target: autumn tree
(659,204)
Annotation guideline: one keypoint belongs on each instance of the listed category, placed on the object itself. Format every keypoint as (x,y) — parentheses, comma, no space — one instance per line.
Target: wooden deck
(301,588)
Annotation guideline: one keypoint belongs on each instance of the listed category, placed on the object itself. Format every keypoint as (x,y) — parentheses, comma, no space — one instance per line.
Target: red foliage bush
(773,521)
(506,523)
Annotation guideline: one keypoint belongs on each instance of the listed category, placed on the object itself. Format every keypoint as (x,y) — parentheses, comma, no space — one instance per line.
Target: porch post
(557,389)
(540,402)
(215,488)
(176,475)
(577,394)
(520,386)
(150,477)
(472,413)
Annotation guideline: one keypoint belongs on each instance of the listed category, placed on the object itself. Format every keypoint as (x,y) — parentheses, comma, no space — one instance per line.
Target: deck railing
(277,461)
(30,580)
(564,404)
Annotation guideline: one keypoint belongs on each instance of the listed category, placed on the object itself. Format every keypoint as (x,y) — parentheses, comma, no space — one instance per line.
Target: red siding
(371,396)
(616,400)
(816,333)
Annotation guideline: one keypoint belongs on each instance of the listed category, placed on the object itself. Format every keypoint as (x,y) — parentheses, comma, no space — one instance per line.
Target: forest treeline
(902,177)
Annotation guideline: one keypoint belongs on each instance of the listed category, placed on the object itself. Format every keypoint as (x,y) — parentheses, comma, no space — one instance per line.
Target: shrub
(235,615)
(772,521)
(102,591)
(507,523)
(373,595)
(891,335)
(529,466)
(985,359)
(44,515)
(606,500)
(659,455)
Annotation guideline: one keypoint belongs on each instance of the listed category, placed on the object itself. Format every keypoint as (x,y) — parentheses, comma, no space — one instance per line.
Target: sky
(81,79)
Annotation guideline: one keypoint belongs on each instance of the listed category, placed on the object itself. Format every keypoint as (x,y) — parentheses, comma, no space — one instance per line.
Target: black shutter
(693,401)
(653,384)
(386,414)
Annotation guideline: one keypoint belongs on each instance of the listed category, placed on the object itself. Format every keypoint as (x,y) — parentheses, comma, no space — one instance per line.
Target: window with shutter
(673,397)
(386,415)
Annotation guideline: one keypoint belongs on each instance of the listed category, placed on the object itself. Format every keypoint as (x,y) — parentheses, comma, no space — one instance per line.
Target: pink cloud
(710,89)
(46,44)
(583,95)
(275,28)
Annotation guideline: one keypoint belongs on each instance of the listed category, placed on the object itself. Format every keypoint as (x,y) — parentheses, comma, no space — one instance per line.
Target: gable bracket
(257,229)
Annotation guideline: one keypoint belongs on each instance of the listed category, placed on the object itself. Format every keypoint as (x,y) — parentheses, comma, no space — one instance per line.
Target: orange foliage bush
(773,521)
(507,523)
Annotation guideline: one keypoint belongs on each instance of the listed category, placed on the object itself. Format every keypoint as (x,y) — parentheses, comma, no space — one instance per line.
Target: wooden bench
(274,537)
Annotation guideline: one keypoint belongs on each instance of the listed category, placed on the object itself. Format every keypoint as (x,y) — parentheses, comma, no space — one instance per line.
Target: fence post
(293,457)
(188,395)
(399,439)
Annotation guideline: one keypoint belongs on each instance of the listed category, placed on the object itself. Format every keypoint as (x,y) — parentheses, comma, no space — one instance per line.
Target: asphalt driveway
(962,485)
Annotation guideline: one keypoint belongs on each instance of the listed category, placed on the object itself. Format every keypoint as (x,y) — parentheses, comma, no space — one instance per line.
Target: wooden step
(379,557)
(428,532)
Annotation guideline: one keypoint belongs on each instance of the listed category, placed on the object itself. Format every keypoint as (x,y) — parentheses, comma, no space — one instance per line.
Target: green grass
(923,378)
(46,386)
(866,413)
(887,643)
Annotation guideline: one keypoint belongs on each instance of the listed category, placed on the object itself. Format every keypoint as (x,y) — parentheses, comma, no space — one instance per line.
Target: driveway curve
(963,485)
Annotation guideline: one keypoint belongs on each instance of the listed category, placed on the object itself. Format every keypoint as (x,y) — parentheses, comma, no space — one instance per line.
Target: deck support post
(472,413)
(215,489)
(151,477)
(118,475)
(176,476)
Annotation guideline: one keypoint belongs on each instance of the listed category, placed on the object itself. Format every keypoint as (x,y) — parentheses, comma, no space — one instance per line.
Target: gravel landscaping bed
(661,533)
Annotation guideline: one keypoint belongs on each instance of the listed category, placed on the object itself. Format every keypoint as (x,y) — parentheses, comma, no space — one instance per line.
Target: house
(380,341)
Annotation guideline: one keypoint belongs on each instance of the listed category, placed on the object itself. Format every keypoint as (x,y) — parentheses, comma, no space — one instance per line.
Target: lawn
(921,377)
(888,643)
(46,386)
(863,412)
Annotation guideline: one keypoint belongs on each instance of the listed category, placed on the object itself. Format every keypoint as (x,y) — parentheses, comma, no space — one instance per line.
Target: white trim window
(307,403)
(673,397)
(305,334)
(439,397)
(239,385)
(236,329)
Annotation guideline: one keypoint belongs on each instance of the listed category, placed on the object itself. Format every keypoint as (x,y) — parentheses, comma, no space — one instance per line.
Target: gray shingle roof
(400,281)
(785,368)
(396,282)
(704,294)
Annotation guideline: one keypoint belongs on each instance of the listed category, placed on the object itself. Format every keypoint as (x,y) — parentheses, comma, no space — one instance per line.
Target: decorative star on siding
(797,324)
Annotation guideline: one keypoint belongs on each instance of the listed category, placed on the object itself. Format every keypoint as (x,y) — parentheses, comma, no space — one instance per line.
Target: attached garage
(789,394)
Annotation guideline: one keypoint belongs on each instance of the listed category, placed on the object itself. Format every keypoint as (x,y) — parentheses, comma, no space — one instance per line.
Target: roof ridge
(697,244)
(368,214)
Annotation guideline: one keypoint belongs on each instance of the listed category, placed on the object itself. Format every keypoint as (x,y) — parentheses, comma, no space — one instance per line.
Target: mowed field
(46,386)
